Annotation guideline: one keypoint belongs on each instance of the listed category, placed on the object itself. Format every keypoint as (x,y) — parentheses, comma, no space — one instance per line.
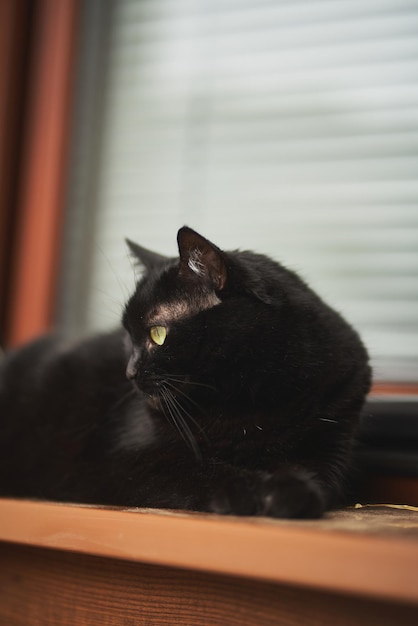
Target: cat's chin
(153,402)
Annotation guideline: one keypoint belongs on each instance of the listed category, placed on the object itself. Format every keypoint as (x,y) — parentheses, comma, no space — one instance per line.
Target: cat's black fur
(249,407)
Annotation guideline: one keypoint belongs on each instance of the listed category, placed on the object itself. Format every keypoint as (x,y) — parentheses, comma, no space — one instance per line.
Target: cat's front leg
(221,488)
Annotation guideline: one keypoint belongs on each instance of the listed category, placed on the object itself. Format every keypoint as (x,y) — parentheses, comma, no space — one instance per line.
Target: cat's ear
(200,259)
(146,258)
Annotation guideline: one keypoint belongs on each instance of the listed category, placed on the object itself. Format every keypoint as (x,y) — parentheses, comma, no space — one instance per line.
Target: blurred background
(286,127)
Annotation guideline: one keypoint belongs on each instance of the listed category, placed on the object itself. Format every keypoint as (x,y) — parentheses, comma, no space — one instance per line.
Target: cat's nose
(131,371)
(132,368)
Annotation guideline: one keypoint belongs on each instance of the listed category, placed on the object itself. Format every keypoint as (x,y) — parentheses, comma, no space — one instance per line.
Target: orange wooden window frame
(14,29)
(40,197)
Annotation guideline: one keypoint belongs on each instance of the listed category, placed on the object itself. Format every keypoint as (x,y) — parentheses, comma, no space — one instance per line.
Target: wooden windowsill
(370,551)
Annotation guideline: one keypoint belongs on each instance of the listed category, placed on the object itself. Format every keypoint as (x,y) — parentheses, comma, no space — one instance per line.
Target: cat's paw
(293,494)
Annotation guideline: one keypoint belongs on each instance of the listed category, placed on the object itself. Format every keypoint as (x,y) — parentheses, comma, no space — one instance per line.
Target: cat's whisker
(111,312)
(188,399)
(190,417)
(179,422)
(124,289)
(177,409)
(166,407)
(184,380)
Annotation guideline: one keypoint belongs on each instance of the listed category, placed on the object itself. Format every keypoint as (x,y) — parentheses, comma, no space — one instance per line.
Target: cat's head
(221,336)
(195,322)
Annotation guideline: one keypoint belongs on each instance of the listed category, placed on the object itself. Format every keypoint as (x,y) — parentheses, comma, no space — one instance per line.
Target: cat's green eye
(158,334)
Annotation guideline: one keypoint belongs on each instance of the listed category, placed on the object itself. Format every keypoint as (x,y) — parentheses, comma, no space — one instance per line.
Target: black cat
(231,388)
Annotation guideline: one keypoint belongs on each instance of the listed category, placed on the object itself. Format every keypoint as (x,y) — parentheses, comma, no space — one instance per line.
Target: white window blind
(286,127)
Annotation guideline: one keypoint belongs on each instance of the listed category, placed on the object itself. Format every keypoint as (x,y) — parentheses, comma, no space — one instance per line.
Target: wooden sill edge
(287,553)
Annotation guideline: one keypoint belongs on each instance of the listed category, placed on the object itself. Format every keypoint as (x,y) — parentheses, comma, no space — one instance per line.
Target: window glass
(289,128)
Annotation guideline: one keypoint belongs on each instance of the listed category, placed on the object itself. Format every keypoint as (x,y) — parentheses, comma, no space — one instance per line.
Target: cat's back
(54,365)
(53,393)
